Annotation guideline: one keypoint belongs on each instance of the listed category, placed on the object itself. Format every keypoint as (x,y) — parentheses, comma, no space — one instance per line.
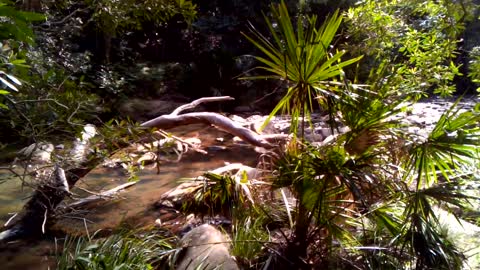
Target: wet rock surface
(37,153)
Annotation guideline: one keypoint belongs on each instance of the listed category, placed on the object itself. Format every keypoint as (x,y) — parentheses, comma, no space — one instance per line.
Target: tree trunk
(297,248)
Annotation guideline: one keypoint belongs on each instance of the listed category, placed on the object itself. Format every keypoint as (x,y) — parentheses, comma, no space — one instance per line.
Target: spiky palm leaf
(368,111)
(453,145)
(300,56)
(422,230)
(218,194)
(426,240)
(330,185)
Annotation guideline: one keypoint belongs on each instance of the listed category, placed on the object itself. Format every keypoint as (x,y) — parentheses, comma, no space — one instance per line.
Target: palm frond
(452,145)
(301,56)
(219,194)
(433,248)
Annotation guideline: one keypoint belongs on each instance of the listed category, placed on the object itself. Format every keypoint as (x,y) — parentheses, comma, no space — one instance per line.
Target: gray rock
(205,247)
(38,153)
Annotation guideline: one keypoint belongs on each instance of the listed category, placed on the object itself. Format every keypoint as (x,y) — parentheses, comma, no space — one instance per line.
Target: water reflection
(134,204)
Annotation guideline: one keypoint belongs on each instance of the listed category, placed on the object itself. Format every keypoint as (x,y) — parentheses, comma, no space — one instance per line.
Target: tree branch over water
(224,123)
(34,219)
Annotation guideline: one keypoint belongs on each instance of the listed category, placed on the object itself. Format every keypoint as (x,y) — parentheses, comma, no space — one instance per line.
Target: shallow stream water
(134,206)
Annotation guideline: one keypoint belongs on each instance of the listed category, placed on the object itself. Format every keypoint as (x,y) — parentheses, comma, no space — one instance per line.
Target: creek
(133,208)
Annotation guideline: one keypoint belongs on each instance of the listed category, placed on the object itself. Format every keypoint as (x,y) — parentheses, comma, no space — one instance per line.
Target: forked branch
(224,123)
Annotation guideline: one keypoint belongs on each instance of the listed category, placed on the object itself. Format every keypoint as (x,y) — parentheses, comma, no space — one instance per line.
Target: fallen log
(40,208)
(215,119)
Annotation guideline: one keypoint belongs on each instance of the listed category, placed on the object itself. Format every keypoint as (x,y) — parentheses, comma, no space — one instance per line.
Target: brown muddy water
(133,208)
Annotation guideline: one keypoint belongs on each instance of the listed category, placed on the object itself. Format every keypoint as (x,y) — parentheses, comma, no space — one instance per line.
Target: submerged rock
(38,153)
(81,145)
(205,247)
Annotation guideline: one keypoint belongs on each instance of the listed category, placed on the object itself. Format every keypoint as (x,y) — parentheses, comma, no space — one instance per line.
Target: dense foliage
(121,251)
(418,40)
(15,34)
(368,197)
(97,55)
(377,185)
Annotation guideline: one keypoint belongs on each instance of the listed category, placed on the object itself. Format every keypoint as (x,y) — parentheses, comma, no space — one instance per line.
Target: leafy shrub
(418,40)
(15,35)
(474,66)
(377,172)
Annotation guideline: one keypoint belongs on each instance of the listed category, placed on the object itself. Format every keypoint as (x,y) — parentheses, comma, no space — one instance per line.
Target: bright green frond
(300,54)
(453,144)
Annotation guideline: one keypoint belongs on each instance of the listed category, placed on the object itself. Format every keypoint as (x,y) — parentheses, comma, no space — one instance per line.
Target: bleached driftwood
(224,123)
(218,120)
(199,101)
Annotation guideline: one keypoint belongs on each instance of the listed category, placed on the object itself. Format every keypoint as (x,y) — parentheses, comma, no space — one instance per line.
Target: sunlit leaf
(299,55)
(8,84)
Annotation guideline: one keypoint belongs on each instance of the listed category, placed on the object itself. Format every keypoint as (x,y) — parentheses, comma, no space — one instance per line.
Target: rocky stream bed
(136,206)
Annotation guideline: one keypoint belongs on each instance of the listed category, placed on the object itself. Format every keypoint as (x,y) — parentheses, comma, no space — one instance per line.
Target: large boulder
(205,247)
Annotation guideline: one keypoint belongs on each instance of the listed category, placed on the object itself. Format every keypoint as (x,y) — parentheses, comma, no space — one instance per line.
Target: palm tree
(304,59)
(376,178)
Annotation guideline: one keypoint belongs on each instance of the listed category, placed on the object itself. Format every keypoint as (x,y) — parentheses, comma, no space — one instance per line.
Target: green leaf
(31,16)
(454,143)
(299,55)
(244,179)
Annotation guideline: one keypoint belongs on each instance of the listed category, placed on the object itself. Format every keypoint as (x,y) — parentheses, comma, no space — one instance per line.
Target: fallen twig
(166,135)
(106,194)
